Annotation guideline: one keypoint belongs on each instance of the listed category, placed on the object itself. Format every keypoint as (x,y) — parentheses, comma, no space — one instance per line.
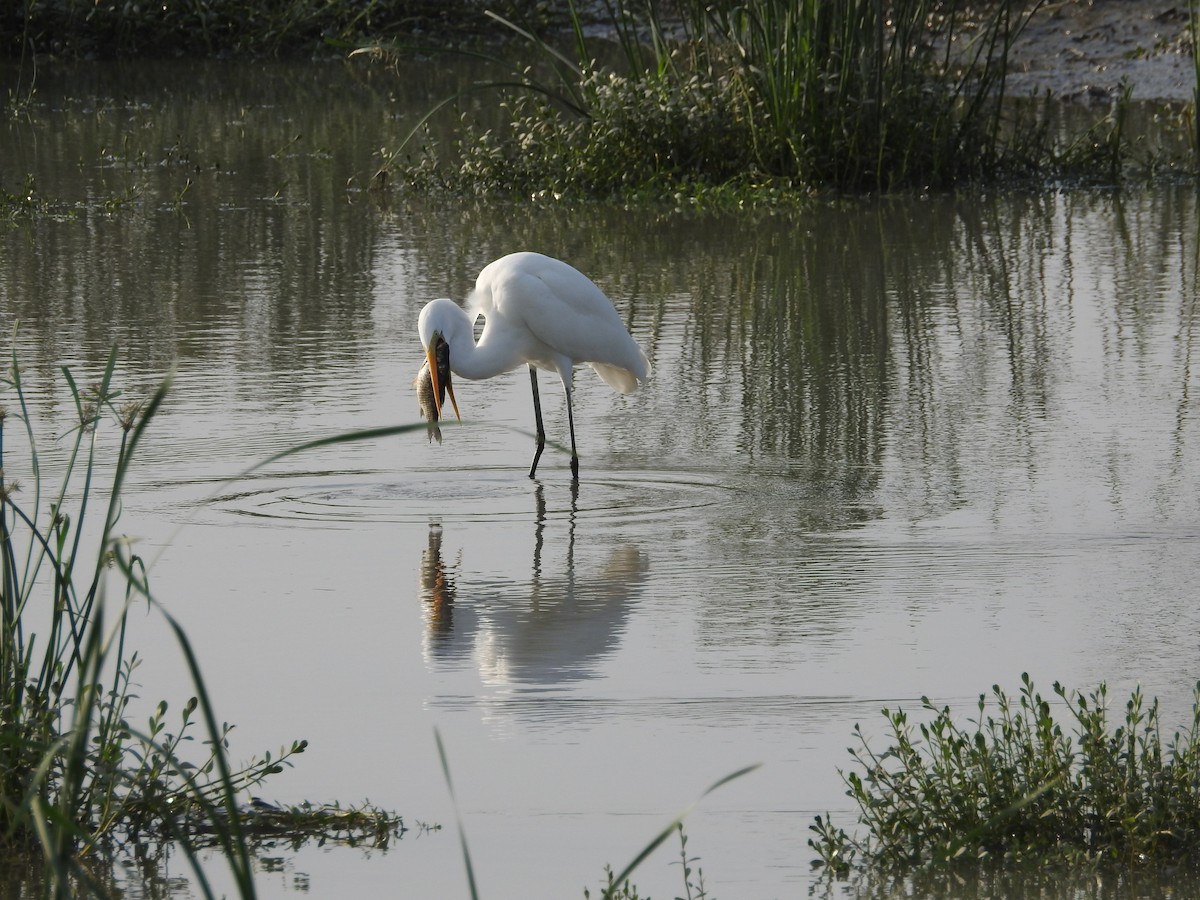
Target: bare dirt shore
(1085,51)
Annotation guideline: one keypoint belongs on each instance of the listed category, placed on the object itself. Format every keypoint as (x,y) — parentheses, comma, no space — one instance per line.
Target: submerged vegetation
(24,203)
(1020,787)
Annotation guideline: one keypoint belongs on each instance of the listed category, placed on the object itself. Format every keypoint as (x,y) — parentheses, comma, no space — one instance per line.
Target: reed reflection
(558,626)
(987,881)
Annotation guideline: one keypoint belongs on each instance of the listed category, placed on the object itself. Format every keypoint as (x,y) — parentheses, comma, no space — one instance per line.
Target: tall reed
(866,94)
(851,94)
(77,778)
(1193,32)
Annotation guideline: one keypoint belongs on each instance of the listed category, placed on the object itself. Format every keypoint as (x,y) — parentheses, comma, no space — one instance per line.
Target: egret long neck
(483,360)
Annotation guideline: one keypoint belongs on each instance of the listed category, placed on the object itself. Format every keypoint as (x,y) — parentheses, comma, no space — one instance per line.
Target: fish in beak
(432,383)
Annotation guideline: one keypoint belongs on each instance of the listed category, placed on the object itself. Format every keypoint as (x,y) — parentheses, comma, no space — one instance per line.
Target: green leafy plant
(25,203)
(1016,786)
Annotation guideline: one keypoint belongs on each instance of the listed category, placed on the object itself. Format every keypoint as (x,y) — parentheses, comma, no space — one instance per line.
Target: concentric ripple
(499,496)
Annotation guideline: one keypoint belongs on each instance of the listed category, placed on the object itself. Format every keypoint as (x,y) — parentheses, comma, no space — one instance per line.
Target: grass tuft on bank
(764,98)
(1020,786)
(761,102)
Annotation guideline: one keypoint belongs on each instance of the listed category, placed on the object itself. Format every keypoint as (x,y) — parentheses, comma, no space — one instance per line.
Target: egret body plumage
(540,312)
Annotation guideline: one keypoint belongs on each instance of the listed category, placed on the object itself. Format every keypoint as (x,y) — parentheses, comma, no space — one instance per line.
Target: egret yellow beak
(431,358)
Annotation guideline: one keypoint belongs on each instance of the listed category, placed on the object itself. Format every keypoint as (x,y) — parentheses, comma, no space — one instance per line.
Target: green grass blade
(462,835)
(233,840)
(540,44)
(345,437)
(370,434)
(671,827)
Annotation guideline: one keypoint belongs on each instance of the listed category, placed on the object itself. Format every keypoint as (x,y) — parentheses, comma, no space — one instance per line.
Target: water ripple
(477,496)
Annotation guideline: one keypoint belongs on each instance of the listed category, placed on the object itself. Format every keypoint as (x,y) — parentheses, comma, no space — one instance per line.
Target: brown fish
(426,395)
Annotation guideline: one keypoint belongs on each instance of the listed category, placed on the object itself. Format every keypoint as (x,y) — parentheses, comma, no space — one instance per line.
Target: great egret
(540,312)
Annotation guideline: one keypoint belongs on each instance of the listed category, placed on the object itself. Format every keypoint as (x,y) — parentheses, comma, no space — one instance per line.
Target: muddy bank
(1084,51)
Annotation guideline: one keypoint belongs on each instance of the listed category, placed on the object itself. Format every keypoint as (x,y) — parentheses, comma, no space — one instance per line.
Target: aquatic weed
(619,887)
(25,203)
(1016,785)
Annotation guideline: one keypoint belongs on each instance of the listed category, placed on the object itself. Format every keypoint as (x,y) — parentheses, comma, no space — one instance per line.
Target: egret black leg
(537,412)
(574,455)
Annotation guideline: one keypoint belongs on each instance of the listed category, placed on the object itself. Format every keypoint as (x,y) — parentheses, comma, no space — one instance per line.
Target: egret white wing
(564,313)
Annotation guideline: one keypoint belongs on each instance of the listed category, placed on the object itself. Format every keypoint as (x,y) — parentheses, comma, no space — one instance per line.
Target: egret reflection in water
(554,627)
(437,586)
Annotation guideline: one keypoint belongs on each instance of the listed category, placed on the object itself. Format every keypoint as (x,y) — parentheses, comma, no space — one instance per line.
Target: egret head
(434,326)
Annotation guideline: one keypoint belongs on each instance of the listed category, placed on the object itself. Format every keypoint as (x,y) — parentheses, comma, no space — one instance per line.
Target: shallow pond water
(892,448)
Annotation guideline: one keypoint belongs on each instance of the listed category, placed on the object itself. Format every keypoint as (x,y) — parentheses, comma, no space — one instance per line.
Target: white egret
(540,312)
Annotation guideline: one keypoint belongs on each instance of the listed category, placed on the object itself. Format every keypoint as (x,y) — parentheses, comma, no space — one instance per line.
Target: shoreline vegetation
(699,103)
(770,101)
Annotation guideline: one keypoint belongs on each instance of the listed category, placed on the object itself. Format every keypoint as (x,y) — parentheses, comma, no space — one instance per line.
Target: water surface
(892,448)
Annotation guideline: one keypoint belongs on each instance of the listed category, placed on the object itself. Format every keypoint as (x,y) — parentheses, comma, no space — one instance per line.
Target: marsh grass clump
(1019,786)
(853,95)
(865,95)
(641,134)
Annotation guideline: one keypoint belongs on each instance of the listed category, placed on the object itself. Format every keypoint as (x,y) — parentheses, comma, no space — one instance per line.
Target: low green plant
(1018,786)
(23,204)
(618,886)
(641,137)
(624,889)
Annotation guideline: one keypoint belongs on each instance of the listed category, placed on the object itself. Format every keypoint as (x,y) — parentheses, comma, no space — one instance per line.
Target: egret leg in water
(541,431)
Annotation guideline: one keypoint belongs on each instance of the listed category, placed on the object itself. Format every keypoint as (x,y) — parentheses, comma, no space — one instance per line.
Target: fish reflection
(559,626)
(437,586)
